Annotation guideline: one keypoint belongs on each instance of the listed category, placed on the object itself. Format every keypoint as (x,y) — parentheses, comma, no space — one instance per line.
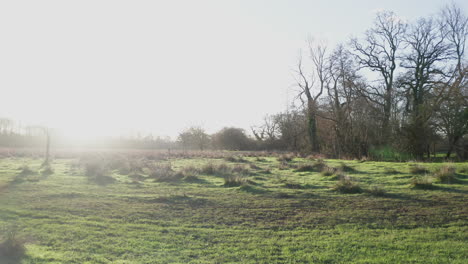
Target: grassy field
(115,209)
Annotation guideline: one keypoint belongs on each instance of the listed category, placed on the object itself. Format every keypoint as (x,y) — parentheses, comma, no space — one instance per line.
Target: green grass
(280,215)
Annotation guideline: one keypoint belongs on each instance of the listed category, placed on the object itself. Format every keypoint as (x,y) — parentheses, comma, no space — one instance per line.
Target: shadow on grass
(102,180)
(253,189)
(182,200)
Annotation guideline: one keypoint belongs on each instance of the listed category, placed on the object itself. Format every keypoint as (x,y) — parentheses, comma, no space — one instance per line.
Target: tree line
(400,90)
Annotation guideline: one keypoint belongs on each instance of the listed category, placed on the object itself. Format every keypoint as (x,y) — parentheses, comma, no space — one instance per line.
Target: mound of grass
(418,169)
(347,185)
(421,182)
(446,174)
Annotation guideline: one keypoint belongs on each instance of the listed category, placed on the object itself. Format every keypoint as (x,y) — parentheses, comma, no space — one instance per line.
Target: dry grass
(421,182)
(418,169)
(347,185)
(446,174)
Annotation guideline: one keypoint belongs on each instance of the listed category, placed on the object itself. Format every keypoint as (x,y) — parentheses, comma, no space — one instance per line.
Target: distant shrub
(421,182)
(11,248)
(233,180)
(446,174)
(260,159)
(376,191)
(418,169)
(347,185)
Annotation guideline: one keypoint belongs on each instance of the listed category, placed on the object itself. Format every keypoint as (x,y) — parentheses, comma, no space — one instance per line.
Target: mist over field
(233,132)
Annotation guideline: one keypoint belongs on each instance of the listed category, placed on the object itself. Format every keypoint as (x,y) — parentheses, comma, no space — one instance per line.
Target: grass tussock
(421,182)
(305,168)
(347,185)
(11,248)
(377,191)
(216,169)
(234,181)
(418,169)
(286,158)
(346,168)
(446,174)
(47,170)
(463,169)
(238,159)
(163,172)
(328,171)
(25,170)
(390,170)
(290,185)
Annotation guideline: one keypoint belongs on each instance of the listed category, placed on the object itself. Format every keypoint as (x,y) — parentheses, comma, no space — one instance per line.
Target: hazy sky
(116,67)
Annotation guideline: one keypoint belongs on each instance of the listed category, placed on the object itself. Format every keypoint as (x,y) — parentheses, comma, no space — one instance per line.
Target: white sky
(116,67)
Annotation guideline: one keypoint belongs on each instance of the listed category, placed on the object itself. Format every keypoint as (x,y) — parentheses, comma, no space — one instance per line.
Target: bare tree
(311,87)
(424,80)
(378,53)
(453,113)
